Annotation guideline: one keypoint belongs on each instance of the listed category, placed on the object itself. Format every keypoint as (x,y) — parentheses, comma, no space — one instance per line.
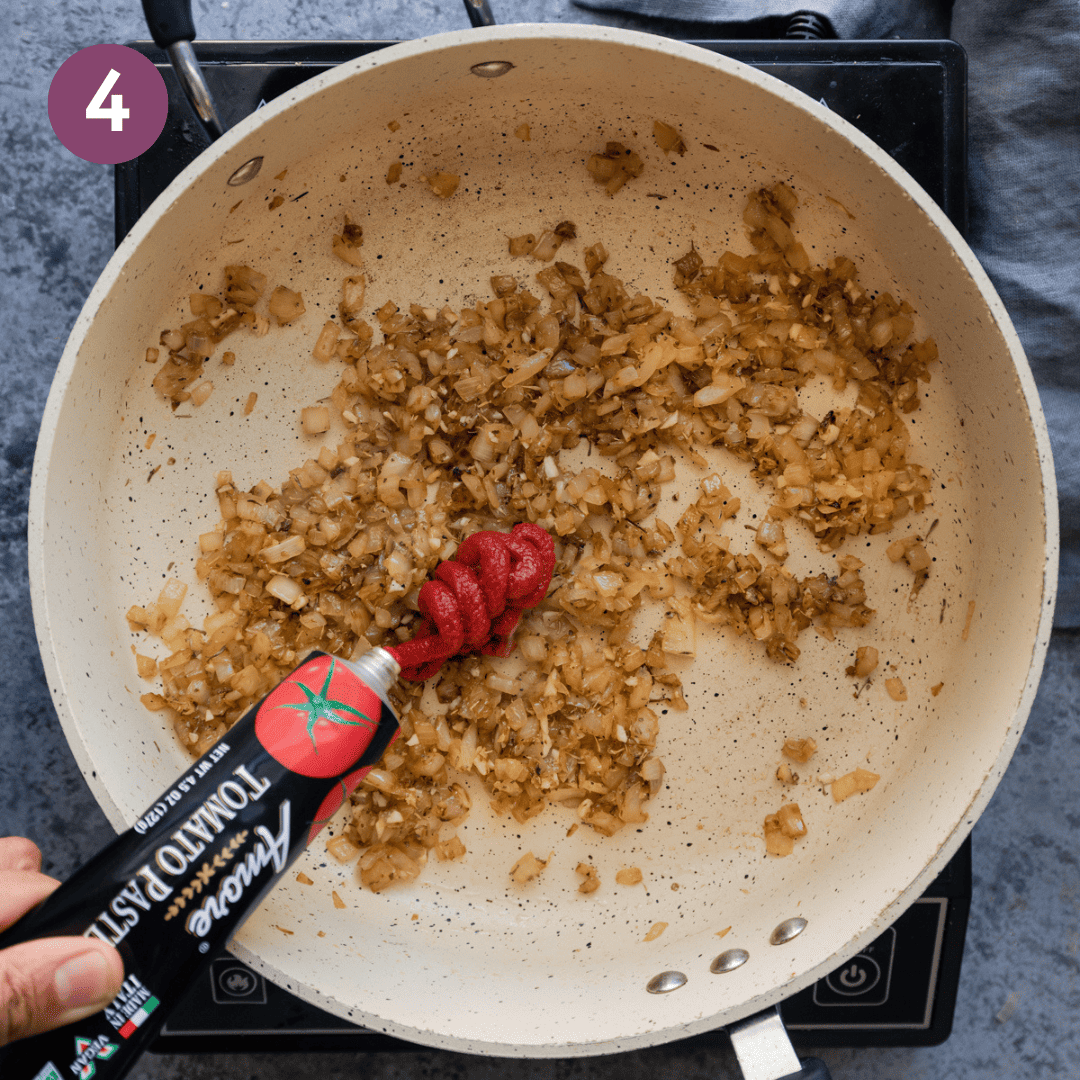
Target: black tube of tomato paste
(170,892)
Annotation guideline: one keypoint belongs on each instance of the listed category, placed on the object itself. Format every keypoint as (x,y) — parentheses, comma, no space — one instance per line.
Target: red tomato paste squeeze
(476,599)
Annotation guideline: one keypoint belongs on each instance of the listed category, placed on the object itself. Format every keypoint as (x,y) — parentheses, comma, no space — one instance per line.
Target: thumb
(48,983)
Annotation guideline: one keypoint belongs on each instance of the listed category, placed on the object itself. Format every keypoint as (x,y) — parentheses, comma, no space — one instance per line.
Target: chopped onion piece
(315,419)
(853,783)
(528,868)
(444,184)
(285,589)
(895,688)
(285,305)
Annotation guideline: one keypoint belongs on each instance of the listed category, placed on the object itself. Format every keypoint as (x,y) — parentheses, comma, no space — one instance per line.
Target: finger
(18,853)
(55,981)
(20,890)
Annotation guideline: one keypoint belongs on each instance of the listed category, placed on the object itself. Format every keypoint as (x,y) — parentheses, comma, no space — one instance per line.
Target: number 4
(116,111)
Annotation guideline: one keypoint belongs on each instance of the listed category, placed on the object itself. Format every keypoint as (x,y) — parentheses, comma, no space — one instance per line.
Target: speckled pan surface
(463,959)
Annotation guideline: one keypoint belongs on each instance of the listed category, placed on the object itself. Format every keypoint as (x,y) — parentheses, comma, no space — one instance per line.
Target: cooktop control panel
(899,991)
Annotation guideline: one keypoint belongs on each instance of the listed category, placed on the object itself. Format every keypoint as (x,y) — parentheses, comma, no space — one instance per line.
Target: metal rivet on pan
(491,69)
(729,961)
(665,982)
(248,171)
(788,929)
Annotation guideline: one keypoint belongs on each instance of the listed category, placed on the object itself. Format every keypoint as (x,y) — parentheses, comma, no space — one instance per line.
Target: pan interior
(464,958)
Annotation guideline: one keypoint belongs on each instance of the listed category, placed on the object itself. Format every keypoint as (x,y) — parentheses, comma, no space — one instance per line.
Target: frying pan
(464,959)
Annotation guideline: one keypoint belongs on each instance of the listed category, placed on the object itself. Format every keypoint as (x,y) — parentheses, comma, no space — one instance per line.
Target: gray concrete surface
(1019,999)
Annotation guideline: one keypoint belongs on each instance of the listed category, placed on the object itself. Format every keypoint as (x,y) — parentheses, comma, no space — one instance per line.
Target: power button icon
(864,980)
(858,976)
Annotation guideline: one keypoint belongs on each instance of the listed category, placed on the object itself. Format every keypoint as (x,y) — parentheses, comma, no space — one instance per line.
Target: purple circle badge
(107,104)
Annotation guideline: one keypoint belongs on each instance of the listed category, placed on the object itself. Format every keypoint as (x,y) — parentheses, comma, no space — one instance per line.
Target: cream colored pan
(463,958)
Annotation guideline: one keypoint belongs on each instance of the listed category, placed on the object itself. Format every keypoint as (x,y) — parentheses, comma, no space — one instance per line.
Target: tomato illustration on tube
(319,720)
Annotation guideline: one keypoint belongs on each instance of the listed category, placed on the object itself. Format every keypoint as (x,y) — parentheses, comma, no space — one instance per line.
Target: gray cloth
(1024,177)
(849,18)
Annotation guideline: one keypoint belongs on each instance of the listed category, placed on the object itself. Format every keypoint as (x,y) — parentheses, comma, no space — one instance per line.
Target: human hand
(47,983)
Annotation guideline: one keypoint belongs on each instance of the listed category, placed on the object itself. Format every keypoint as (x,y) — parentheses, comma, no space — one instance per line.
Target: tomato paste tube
(170,892)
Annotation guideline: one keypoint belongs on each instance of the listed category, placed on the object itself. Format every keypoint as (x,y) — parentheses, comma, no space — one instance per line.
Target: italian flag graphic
(139,1018)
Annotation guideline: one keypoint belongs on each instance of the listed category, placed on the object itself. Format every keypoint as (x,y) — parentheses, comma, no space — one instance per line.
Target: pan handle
(479,12)
(173,29)
(764,1050)
(169,21)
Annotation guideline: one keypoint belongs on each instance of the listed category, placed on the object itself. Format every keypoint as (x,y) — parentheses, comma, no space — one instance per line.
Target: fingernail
(83,986)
